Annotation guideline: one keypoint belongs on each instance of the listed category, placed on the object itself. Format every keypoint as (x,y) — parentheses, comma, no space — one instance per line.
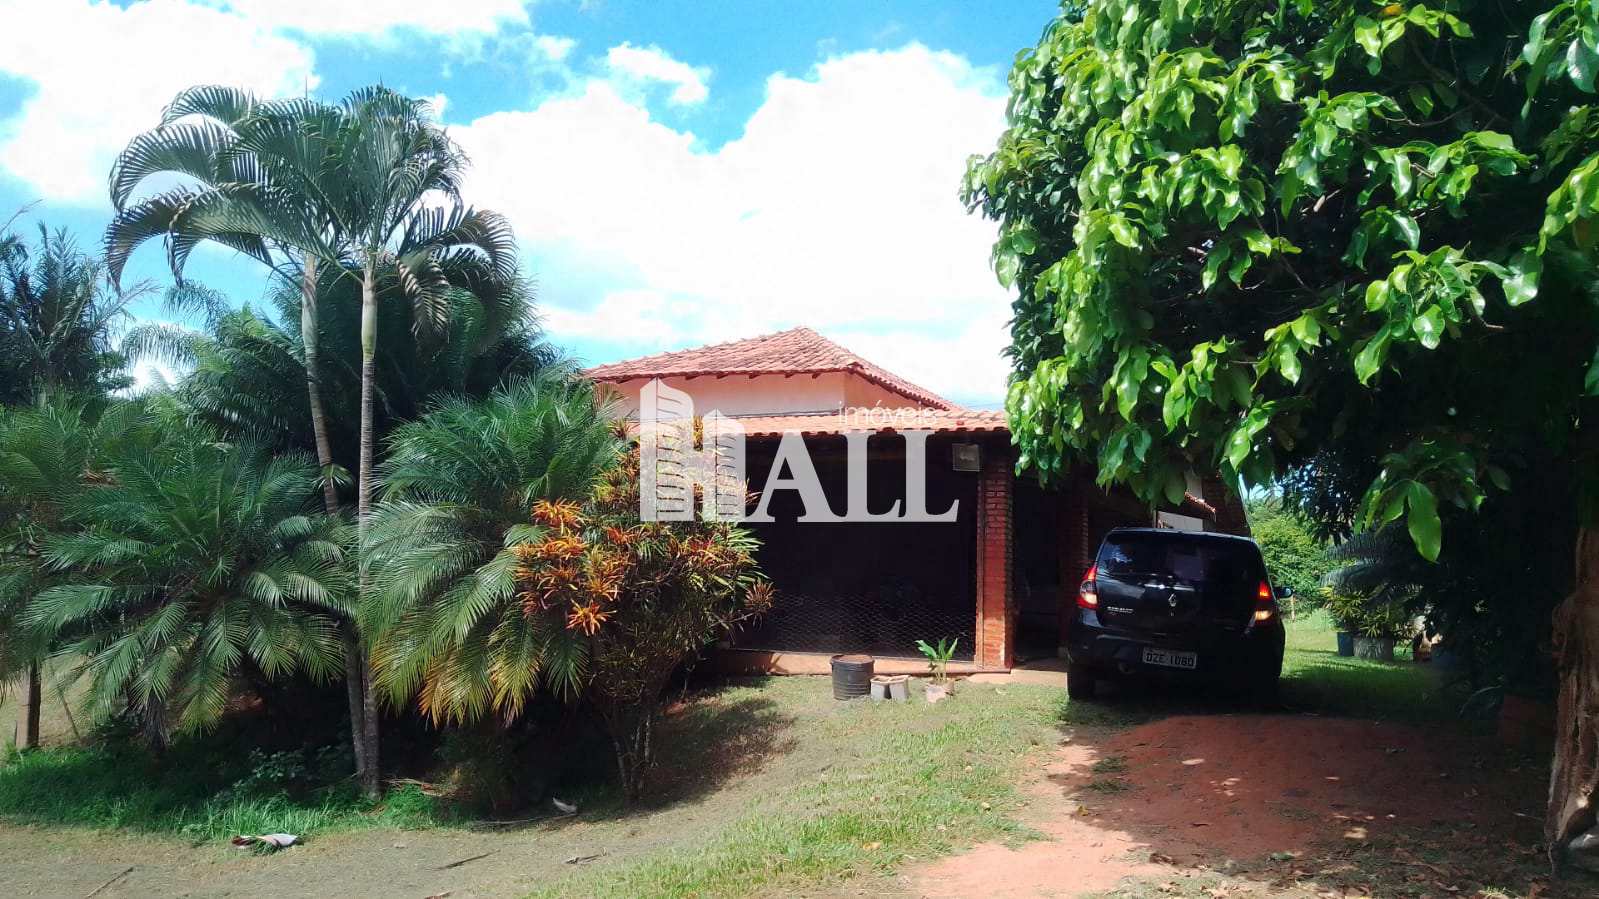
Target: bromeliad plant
(643,598)
(938,657)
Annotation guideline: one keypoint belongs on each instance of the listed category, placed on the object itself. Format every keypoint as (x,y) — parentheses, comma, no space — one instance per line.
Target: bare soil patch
(1214,805)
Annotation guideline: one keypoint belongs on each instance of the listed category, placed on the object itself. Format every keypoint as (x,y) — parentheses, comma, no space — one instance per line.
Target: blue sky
(677,172)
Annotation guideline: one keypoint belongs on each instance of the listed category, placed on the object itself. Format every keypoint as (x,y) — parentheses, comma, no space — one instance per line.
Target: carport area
(998,577)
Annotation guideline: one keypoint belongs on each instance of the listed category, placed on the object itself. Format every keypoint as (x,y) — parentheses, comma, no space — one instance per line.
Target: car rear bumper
(1251,653)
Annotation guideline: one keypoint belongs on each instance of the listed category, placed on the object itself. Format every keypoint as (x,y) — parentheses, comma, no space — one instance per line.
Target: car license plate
(1170,658)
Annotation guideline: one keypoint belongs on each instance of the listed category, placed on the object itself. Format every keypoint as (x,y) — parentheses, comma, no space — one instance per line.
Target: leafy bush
(646,596)
(1294,557)
(1368,615)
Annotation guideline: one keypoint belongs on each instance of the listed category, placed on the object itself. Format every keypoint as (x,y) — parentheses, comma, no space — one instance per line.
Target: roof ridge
(804,349)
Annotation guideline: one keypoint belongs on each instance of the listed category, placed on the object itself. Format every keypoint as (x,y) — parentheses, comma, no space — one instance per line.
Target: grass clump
(192,792)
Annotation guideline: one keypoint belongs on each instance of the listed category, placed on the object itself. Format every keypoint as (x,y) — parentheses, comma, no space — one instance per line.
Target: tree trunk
(355,692)
(354,656)
(372,778)
(1574,778)
(631,733)
(28,714)
(310,338)
(371,781)
(155,726)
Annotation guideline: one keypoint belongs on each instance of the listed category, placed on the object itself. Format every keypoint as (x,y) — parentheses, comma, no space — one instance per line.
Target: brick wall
(996,612)
(1077,545)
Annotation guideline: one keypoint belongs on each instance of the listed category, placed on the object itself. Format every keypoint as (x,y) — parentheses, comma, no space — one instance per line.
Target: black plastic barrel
(852,676)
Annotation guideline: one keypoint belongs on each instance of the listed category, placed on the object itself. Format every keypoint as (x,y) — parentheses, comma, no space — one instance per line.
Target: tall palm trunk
(1574,778)
(354,657)
(310,338)
(28,715)
(370,778)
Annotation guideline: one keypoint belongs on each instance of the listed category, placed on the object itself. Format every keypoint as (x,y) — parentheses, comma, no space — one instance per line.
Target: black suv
(1161,601)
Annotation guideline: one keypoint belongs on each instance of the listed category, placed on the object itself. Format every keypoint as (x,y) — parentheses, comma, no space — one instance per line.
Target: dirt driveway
(1234,805)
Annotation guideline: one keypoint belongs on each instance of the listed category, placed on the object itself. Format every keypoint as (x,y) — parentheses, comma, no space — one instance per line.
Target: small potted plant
(938,661)
(1380,626)
(1345,611)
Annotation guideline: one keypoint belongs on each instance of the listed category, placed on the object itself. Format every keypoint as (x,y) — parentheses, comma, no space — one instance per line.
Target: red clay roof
(938,420)
(792,352)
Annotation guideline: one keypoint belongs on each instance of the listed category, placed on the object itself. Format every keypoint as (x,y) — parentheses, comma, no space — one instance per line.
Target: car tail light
(1265,602)
(1088,591)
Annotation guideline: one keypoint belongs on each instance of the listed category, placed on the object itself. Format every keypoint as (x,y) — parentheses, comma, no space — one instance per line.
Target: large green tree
(59,321)
(1252,234)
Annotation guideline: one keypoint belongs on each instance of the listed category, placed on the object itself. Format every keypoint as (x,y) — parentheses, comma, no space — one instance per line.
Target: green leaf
(1006,266)
(1133,370)
(1237,384)
(1376,295)
(1368,36)
(1123,231)
(1426,529)
(1429,327)
(1370,357)
(1288,364)
(1409,231)
(1581,63)
(1239,445)
(1521,281)
(1214,260)
(1024,240)
(1421,99)
(1401,177)
(1175,487)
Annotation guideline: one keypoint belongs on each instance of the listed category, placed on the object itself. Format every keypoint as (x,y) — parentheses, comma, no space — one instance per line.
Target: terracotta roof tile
(937,420)
(795,351)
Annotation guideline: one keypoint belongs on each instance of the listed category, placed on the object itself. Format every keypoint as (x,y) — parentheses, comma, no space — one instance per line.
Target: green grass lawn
(1316,678)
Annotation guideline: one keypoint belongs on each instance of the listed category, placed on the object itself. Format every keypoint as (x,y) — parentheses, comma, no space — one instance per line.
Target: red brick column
(996,612)
(1075,552)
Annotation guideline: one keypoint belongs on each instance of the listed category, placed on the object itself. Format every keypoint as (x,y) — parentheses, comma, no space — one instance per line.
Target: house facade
(997,570)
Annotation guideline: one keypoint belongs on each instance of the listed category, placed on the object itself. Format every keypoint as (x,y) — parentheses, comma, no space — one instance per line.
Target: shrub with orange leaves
(644,597)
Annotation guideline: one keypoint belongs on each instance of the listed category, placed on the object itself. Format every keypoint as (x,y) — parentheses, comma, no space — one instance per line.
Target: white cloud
(373,18)
(645,65)
(554,47)
(438,103)
(102,74)
(836,208)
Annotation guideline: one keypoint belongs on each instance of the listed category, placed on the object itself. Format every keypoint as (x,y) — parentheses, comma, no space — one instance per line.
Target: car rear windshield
(1195,560)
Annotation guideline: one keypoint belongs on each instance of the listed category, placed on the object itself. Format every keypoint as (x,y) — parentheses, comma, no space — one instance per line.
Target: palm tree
(244,370)
(58,319)
(256,177)
(346,186)
(197,563)
(459,487)
(58,322)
